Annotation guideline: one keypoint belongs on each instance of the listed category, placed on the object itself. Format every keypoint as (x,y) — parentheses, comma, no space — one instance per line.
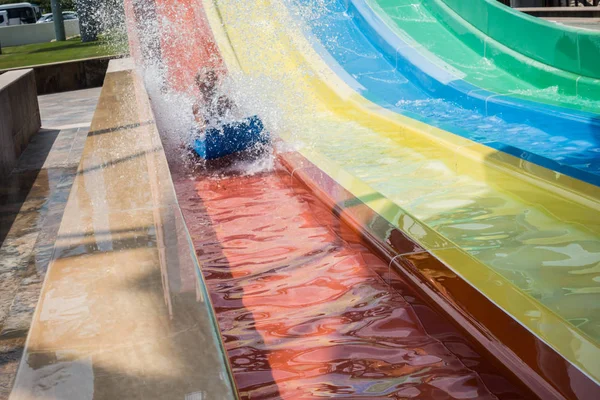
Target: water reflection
(302,306)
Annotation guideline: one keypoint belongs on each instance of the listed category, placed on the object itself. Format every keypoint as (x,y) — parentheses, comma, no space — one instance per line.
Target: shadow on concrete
(118,161)
(16,187)
(120,128)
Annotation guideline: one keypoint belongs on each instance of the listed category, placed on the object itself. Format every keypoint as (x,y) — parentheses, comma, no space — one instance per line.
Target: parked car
(19,13)
(67,15)
(44,18)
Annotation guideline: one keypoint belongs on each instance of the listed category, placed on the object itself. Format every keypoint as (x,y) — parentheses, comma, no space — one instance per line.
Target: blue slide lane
(390,72)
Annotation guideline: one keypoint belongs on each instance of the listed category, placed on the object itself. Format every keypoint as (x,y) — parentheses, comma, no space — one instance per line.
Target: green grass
(45,53)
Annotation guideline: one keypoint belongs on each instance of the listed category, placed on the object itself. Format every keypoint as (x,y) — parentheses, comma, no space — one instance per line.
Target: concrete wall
(527,3)
(19,116)
(70,75)
(564,12)
(18,35)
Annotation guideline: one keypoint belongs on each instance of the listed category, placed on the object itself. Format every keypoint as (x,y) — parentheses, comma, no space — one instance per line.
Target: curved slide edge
(562,47)
(507,56)
(440,82)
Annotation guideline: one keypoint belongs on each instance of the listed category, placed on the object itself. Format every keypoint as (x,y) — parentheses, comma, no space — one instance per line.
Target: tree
(89,24)
(97,16)
(66,5)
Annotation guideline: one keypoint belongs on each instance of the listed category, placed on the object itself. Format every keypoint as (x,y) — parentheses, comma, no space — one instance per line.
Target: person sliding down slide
(220,134)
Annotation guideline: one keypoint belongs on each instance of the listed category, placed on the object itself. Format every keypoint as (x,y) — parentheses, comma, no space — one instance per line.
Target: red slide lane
(187,43)
(304,307)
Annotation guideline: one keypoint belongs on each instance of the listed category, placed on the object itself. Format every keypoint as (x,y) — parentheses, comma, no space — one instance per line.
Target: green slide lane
(497,48)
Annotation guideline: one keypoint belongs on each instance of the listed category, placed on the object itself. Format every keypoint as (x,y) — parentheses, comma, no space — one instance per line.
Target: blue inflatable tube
(230,138)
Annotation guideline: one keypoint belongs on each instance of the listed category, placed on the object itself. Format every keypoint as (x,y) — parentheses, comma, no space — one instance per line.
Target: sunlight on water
(173,111)
(484,129)
(394,85)
(554,260)
(515,238)
(552,94)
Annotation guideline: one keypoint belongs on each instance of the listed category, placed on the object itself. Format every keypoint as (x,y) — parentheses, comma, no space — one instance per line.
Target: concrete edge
(11,76)
(120,64)
(117,56)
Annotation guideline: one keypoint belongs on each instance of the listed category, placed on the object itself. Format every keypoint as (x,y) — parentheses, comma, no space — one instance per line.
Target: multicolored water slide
(531,234)
(521,232)
(396,72)
(471,39)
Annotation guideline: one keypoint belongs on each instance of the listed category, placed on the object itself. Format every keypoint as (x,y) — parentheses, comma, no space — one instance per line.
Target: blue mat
(231,138)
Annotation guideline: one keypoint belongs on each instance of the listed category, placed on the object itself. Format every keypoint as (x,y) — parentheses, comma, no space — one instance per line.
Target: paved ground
(123,313)
(585,23)
(31,208)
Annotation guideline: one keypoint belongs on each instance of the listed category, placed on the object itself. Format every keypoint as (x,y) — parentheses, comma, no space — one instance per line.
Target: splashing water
(493,227)
(252,94)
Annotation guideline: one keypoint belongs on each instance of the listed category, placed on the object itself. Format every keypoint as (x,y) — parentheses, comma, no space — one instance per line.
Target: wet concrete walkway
(32,203)
(122,313)
(583,23)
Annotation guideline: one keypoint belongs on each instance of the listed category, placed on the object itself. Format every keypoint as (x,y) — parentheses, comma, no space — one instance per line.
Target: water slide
(481,149)
(560,66)
(394,62)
